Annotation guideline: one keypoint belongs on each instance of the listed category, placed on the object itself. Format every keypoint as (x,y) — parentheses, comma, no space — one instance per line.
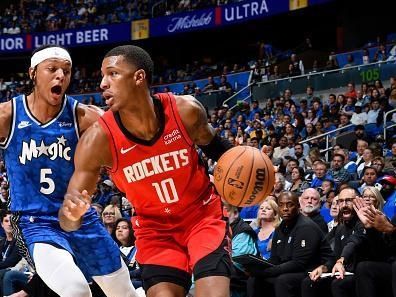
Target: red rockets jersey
(163,178)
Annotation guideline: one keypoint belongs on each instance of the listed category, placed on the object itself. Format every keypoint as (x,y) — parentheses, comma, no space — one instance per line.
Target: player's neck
(40,108)
(9,236)
(141,121)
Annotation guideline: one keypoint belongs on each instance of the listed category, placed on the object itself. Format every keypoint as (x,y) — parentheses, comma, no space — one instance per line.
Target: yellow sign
(140,29)
(297,4)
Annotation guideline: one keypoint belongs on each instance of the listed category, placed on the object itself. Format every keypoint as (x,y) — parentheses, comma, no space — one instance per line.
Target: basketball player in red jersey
(148,144)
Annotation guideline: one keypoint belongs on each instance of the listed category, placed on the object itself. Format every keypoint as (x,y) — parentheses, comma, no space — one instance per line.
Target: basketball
(244,176)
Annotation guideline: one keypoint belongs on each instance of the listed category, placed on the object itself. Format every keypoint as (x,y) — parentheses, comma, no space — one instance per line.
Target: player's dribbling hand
(76,204)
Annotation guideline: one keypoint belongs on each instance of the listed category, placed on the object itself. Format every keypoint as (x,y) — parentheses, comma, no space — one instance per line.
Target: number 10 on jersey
(166,191)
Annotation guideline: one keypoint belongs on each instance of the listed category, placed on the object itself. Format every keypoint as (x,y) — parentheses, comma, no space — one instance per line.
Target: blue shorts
(92,247)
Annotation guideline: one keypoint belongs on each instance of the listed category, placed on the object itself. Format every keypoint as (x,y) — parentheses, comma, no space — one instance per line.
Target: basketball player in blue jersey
(39,134)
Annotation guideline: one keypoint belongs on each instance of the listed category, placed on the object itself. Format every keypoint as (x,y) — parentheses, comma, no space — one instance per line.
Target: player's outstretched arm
(91,153)
(195,120)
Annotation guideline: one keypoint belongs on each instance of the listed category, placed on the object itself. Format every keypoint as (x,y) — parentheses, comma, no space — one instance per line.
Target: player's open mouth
(56,90)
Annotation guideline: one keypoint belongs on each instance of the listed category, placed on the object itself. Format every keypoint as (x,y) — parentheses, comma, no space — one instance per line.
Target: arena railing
(386,125)
(235,95)
(155,5)
(325,80)
(327,135)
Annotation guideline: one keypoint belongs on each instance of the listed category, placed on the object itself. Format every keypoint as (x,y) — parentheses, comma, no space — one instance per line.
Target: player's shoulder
(186,100)
(188,105)
(87,115)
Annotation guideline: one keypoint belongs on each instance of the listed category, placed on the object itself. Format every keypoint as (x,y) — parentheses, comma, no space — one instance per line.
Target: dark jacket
(299,246)
(9,253)
(355,243)
(319,220)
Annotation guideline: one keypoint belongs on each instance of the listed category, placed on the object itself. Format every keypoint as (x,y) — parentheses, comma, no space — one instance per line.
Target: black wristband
(216,147)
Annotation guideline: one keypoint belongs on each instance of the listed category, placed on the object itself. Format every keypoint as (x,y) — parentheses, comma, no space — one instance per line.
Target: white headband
(48,53)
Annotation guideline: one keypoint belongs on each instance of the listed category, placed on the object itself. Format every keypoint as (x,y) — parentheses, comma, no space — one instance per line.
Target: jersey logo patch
(65,124)
(125,150)
(57,149)
(24,124)
(171,137)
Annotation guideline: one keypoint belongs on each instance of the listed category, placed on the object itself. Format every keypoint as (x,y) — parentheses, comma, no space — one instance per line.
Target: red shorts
(182,247)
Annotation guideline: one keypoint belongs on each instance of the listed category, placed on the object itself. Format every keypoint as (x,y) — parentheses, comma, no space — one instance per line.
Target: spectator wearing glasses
(359,244)
(372,196)
(110,215)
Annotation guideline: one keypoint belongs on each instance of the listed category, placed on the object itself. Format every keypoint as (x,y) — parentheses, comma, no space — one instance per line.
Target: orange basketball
(244,176)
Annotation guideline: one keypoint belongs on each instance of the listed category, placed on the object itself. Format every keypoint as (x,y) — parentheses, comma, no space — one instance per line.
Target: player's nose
(104,83)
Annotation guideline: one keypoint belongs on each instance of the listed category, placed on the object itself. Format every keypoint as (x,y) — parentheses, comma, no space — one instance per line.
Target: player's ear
(32,73)
(140,76)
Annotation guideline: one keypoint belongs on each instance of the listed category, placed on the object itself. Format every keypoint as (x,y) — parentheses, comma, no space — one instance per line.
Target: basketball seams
(234,177)
(267,170)
(250,177)
(229,168)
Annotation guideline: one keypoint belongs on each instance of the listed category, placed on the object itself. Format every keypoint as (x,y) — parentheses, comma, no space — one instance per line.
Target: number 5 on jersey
(48,185)
(166,191)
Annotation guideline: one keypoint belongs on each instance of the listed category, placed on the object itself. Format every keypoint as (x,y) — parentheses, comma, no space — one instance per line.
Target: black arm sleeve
(216,147)
(354,241)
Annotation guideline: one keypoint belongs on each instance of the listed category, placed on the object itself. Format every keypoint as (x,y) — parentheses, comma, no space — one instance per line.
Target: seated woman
(372,196)
(298,181)
(267,220)
(124,237)
(110,215)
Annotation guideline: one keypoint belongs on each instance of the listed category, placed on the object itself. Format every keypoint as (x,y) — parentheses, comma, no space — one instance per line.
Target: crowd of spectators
(328,211)
(50,15)
(86,78)
(360,171)
(307,197)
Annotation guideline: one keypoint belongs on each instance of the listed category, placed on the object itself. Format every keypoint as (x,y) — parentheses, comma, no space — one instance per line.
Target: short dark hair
(341,156)
(135,56)
(356,191)
(3,214)
(332,183)
(369,167)
(293,160)
(359,127)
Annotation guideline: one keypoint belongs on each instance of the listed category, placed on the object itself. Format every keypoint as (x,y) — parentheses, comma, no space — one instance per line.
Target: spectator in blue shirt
(388,186)
(255,109)
(267,220)
(320,170)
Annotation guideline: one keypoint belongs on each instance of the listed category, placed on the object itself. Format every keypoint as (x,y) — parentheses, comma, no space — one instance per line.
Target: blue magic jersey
(39,157)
